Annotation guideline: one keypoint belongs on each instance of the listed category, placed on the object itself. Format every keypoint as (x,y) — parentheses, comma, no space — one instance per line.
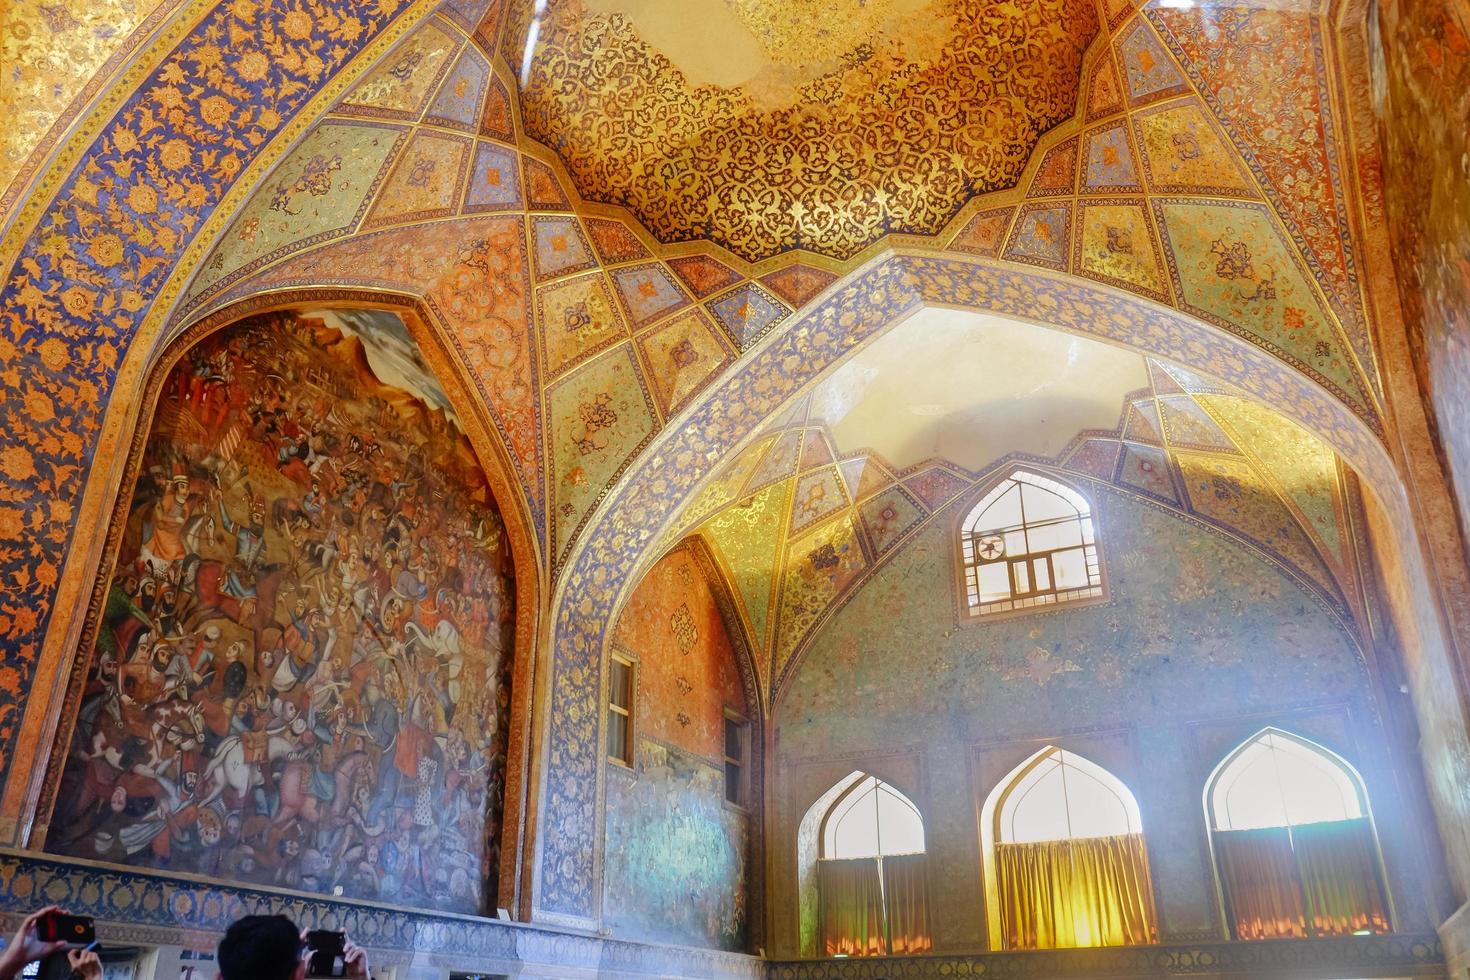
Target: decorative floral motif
(902,111)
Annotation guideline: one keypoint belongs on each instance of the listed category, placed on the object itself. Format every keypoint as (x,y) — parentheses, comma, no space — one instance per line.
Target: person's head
(261,947)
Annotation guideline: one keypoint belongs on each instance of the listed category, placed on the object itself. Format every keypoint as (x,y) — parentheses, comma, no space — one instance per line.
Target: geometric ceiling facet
(1229,491)
(615,241)
(458,103)
(1189,425)
(399,86)
(748,536)
(1109,162)
(1300,463)
(798,284)
(316,193)
(746,313)
(1057,172)
(495,180)
(1041,235)
(888,516)
(577,320)
(560,248)
(1231,267)
(599,417)
(984,233)
(1116,245)
(703,275)
(647,292)
(1104,94)
(819,493)
(1183,153)
(1146,468)
(1148,71)
(425,180)
(683,355)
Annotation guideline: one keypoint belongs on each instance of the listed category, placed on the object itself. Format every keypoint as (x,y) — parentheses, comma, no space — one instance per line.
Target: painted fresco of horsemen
(301,673)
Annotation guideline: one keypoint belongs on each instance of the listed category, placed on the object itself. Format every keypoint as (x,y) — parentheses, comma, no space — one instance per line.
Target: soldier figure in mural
(301,676)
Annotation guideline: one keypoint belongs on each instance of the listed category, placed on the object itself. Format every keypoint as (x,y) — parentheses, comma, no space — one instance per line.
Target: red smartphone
(74,930)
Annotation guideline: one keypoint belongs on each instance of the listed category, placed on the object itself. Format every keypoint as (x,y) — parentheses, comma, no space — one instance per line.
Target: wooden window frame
(1019,603)
(627,711)
(742,723)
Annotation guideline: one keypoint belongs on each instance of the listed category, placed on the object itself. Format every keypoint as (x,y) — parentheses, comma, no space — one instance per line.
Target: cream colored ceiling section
(774,48)
(971,388)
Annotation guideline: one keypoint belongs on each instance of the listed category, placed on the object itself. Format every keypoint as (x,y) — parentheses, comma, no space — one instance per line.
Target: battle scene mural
(302,673)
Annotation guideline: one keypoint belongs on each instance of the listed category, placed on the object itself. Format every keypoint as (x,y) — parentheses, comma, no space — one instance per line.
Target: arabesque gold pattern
(893,139)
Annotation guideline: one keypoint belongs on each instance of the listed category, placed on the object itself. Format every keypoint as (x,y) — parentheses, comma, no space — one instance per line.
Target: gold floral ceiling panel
(771,125)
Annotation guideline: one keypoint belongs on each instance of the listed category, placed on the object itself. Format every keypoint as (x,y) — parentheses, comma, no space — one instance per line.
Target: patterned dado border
(146,908)
(138,907)
(1352,956)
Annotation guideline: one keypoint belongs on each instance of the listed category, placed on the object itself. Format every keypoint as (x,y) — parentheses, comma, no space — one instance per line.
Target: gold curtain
(1338,865)
(1263,894)
(1091,891)
(851,899)
(906,897)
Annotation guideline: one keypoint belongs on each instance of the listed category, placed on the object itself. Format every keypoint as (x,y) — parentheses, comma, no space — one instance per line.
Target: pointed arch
(439,352)
(778,370)
(1294,848)
(863,865)
(872,818)
(1030,541)
(745,651)
(1065,863)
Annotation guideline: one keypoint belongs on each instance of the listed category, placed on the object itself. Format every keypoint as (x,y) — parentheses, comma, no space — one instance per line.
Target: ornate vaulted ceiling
(1126,171)
(586,333)
(770,125)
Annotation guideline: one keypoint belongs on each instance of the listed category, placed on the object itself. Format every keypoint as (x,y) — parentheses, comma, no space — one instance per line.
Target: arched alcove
(1029,542)
(682,460)
(303,664)
(681,840)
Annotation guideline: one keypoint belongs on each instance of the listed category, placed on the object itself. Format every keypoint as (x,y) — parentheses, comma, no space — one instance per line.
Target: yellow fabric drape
(1091,891)
(1263,894)
(1338,865)
(851,900)
(905,895)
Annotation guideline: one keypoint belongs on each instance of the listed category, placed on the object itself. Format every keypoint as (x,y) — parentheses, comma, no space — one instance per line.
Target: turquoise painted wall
(1200,644)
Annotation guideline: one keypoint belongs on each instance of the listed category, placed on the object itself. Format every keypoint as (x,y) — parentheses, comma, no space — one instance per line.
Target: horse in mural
(232,769)
(208,580)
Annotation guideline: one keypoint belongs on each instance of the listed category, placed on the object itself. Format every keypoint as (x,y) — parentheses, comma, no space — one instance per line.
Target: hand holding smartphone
(327,954)
(74,930)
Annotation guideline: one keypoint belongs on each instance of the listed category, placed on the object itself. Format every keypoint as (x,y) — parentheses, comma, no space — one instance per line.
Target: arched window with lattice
(872,871)
(1294,844)
(1031,541)
(1065,860)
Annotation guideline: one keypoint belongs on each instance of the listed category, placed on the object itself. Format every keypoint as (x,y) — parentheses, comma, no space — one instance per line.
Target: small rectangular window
(736,748)
(620,691)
